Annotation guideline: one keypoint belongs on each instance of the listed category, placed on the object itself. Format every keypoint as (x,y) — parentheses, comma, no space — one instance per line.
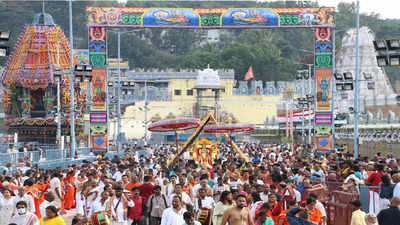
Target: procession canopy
(40,50)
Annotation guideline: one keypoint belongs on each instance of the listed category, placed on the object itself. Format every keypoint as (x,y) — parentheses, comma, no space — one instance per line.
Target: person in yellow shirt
(358,216)
(52,218)
(314,215)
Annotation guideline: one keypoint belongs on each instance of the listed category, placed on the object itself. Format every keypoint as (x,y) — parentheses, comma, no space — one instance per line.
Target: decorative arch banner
(211,18)
(320,19)
(250,17)
(171,17)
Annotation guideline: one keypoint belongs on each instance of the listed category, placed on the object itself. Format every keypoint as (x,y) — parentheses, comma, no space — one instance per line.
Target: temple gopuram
(30,96)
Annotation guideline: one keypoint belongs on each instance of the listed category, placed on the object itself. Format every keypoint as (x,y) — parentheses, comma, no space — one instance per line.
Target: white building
(378,82)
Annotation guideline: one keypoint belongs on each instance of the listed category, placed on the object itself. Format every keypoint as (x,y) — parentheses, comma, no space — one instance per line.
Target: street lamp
(119,85)
(4,49)
(72,79)
(338,76)
(304,75)
(82,73)
(387,52)
(57,77)
(302,103)
(344,81)
(394,60)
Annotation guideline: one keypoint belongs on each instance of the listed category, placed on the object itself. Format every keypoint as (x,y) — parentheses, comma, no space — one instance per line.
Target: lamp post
(145,111)
(302,103)
(302,76)
(119,87)
(112,105)
(356,113)
(310,101)
(302,114)
(71,83)
(88,79)
(57,77)
(83,73)
(333,86)
(119,95)
(307,75)
(4,49)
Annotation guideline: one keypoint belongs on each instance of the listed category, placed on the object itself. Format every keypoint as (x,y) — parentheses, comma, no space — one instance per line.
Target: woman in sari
(7,206)
(52,218)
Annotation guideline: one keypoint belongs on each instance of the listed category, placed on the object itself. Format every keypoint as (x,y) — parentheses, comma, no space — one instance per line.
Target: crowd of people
(274,187)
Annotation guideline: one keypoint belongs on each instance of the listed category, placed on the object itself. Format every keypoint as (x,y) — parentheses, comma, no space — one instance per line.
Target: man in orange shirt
(282,220)
(41,186)
(33,193)
(314,215)
(134,183)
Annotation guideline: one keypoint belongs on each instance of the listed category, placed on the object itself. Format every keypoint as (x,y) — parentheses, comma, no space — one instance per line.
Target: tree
(274,53)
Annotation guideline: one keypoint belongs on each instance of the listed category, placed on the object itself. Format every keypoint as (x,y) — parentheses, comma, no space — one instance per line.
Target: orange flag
(249,75)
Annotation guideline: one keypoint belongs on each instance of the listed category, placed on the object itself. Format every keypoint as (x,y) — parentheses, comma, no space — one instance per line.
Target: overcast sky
(388,9)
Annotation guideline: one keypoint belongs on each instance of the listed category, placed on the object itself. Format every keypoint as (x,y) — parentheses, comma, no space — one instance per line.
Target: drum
(100,218)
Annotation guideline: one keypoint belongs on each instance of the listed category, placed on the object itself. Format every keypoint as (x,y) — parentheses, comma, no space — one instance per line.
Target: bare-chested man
(239,215)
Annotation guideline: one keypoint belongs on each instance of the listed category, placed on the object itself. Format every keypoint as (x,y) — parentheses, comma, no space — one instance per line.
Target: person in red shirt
(146,189)
(374,180)
(287,194)
(137,212)
(276,208)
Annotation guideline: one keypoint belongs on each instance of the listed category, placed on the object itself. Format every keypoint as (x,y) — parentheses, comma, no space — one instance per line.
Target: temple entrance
(37,103)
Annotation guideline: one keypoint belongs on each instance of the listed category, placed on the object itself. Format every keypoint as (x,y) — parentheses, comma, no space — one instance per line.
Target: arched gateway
(321,20)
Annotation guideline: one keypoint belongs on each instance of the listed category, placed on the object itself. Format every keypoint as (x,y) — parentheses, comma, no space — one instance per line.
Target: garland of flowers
(39,121)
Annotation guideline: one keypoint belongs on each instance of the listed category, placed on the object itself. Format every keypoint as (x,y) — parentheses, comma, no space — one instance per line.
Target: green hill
(274,53)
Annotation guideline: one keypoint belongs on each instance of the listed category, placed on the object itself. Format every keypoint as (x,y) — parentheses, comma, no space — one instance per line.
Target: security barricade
(370,201)
(339,209)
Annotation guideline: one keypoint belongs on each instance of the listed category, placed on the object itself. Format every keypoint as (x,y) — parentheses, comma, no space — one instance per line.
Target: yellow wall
(187,84)
(250,109)
(245,109)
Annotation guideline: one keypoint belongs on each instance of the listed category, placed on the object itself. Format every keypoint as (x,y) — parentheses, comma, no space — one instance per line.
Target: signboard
(99,97)
(323,83)
(211,18)
(323,79)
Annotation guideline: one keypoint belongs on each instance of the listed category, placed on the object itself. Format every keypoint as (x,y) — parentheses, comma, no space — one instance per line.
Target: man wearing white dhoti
(23,217)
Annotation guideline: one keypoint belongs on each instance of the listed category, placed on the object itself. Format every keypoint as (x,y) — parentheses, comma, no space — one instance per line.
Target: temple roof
(43,19)
(39,49)
(208,78)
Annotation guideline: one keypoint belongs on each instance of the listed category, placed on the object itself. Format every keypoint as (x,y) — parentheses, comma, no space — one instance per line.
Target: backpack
(387,191)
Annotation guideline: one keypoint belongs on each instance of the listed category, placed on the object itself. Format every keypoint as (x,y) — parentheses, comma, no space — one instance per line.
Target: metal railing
(46,158)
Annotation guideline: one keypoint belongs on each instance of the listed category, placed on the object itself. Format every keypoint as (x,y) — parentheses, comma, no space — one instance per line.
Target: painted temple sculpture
(30,89)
